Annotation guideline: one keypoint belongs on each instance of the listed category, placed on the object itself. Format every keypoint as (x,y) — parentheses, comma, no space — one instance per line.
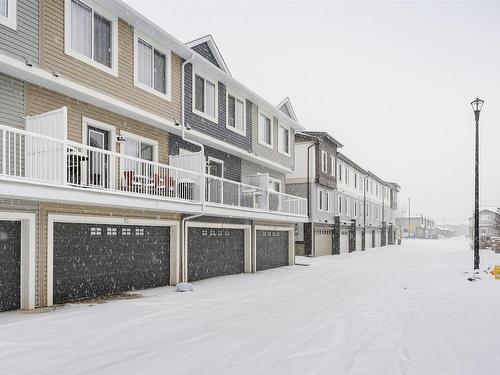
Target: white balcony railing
(39,158)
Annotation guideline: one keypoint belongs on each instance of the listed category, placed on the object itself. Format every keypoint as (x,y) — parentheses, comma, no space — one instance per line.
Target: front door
(215,186)
(98,161)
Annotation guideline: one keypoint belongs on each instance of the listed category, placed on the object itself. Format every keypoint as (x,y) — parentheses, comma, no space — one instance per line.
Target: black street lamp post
(477,104)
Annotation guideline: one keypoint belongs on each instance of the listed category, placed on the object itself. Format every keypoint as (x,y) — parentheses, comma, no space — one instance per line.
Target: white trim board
(67,218)
(28,255)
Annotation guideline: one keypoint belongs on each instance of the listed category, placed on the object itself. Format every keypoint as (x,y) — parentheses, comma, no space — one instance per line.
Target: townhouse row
(131,160)
(349,208)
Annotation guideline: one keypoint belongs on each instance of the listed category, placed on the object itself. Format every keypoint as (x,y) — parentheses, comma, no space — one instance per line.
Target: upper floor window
(274,184)
(355,180)
(339,207)
(340,172)
(205,97)
(324,161)
(265,130)
(235,114)
(328,202)
(8,13)
(152,67)
(320,200)
(332,165)
(91,35)
(346,176)
(283,140)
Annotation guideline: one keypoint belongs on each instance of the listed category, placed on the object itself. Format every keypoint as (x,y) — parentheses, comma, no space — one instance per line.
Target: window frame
(324,161)
(113,70)
(140,138)
(320,200)
(332,168)
(289,140)
(236,97)
(168,66)
(259,135)
(275,180)
(10,20)
(328,201)
(206,77)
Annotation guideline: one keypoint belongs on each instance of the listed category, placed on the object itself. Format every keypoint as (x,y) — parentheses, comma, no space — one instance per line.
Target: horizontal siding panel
(11,101)
(120,87)
(23,42)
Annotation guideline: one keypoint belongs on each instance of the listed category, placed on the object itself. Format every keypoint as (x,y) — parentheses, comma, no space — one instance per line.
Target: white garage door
(378,238)
(344,241)
(323,241)
(359,239)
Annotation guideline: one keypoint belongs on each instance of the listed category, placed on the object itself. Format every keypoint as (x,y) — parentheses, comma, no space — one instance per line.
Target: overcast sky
(391,81)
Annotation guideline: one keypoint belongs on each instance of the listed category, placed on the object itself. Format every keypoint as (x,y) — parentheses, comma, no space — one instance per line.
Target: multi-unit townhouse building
(130,160)
(350,208)
(418,226)
(489,223)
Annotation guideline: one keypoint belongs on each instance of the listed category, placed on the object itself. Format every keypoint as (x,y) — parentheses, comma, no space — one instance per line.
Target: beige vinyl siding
(121,87)
(54,208)
(264,151)
(40,100)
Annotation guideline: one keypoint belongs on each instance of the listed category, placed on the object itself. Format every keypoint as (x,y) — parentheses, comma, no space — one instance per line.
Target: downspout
(364,212)
(202,183)
(309,194)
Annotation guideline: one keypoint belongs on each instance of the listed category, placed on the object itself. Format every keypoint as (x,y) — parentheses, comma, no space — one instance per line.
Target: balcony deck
(91,174)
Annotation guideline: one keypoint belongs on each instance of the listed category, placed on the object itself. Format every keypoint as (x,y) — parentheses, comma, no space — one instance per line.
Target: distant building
(416,226)
(443,232)
(489,223)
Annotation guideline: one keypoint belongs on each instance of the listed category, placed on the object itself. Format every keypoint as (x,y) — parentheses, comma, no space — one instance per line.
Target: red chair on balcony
(164,186)
(131,182)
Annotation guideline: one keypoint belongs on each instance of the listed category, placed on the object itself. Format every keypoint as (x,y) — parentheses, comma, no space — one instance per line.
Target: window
(320,200)
(111,231)
(355,208)
(91,35)
(283,140)
(274,184)
(324,161)
(340,172)
(139,148)
(339,208)
(355,180)
(328,202)
(152,67)
(8,13)
(94,231)
(265,130)
(346,176)
(235,114)
(205,97)
(332,165)
(126,231)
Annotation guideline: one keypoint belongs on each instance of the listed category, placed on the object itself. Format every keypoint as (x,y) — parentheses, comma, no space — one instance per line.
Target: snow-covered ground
(395,310)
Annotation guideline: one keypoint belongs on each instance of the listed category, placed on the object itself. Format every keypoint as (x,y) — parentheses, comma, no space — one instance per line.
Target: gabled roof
(322,135)
(214,50)
(286,107)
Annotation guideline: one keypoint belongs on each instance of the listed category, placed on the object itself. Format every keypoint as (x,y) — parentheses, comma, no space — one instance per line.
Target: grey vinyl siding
(11,101)
(266,152)
(249,168)
(325,178)
(204,50)
(22,43)
(217,130)
(16,205)
(232,164)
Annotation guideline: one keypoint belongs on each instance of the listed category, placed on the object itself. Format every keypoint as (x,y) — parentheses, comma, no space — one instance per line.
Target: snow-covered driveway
(395,310)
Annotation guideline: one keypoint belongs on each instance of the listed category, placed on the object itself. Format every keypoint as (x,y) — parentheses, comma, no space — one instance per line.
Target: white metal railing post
(65,163)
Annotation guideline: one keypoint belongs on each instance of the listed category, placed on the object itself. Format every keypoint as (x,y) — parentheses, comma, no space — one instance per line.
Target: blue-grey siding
(204,50)
(266,152)
(11,101)
(216,130)
(22,43)
(232,164)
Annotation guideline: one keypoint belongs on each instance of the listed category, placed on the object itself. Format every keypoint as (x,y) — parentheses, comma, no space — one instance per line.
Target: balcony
(35,158)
